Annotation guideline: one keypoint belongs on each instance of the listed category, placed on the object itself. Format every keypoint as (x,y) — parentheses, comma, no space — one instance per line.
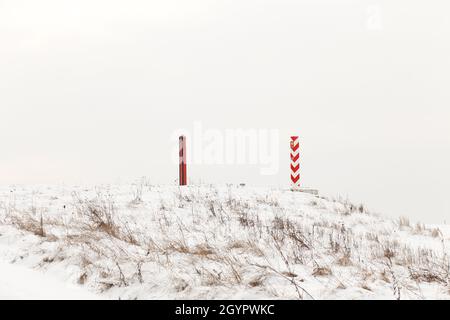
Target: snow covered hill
(212,242)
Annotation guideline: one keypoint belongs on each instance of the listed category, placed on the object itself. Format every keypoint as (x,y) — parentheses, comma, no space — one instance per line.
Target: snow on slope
(212,242)
(21,283)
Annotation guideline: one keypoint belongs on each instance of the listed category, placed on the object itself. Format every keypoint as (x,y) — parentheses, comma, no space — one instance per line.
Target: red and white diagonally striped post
(183,162)
(295,162)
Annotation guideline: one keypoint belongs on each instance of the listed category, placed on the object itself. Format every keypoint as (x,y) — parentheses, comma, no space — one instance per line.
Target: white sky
(92,90)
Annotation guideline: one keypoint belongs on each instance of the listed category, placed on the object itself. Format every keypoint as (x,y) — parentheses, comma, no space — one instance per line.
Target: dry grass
(436,233)
(345,260)
(428,275)
(322,271)
(403,222)
(27,222)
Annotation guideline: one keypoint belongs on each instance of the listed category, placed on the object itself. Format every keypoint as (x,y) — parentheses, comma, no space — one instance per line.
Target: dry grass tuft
(428,275)
(403,222)
(28,223)
(322,272)
(345,260)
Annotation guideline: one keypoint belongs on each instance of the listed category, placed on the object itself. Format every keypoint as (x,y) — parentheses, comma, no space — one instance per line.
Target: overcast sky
(91,91)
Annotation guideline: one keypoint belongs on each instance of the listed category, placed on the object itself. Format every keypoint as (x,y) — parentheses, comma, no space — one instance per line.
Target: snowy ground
(212,242)
(19,282)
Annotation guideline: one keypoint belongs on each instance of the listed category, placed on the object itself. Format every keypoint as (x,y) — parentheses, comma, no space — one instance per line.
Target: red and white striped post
(183,162)
(295,162)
